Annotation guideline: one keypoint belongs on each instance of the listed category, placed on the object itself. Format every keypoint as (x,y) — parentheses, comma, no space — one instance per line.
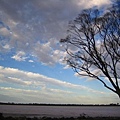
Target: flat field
(59,111)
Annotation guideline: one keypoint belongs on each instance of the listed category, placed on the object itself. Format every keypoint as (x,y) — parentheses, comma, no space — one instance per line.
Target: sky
(31,57)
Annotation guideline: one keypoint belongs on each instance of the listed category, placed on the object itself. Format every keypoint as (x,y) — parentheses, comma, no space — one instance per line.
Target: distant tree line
(46,104)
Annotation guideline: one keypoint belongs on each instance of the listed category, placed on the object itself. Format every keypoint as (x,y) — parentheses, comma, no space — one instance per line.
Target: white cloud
(18,81)
(28,78)
(42,21)
(95,71)
(12,75)
(20,56)
(43,96)
(92,3)
(6,46)
(31,61)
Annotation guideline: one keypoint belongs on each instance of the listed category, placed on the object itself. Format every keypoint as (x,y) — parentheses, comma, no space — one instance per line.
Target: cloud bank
(35,87)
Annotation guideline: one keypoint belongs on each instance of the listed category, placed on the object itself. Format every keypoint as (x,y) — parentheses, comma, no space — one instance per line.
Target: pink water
(59,111)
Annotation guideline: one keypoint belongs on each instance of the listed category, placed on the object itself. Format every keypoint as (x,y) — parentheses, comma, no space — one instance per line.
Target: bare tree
(93,46)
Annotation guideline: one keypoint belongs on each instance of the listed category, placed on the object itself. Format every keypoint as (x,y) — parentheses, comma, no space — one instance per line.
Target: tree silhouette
(93,46)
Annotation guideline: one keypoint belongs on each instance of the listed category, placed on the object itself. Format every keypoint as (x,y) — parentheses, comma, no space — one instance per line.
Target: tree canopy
(93,46)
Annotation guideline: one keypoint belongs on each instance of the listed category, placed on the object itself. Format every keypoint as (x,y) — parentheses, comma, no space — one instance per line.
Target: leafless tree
(93,46)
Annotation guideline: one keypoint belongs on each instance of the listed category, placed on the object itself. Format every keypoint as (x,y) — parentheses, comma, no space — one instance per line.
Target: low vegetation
(82,117)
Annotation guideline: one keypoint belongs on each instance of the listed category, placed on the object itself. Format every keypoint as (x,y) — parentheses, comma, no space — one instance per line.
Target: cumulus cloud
(35,27)
(31,61)
(20,56)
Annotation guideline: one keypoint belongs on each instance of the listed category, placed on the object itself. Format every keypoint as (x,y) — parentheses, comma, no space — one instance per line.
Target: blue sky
(31,57)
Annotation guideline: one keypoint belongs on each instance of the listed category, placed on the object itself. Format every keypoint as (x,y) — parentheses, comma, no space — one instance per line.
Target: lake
(59,111)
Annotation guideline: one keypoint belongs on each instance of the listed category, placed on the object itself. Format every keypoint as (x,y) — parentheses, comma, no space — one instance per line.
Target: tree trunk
(118,92)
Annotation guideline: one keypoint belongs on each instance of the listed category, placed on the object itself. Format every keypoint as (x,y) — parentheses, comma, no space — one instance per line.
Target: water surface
(59,111)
